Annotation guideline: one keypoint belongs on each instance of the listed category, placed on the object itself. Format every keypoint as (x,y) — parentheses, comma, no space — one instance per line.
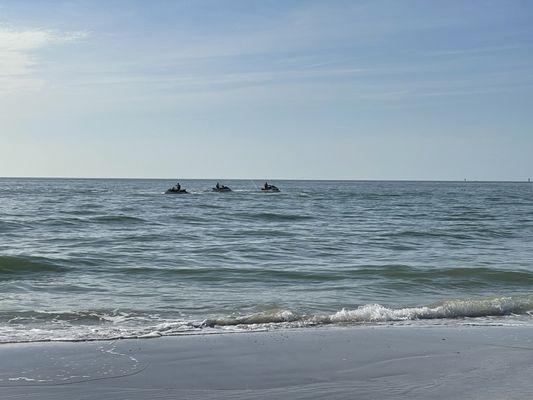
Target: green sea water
(85,259)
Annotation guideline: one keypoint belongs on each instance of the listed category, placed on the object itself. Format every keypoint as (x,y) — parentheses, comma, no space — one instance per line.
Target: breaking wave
(107,325)
(369,313)
(473,308)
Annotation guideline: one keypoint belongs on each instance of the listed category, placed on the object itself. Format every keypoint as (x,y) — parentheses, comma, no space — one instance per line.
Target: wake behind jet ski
(221,188)
(269,188)
(176,189)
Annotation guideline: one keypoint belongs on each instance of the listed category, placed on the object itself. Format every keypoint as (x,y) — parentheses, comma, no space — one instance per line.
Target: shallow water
(88,259)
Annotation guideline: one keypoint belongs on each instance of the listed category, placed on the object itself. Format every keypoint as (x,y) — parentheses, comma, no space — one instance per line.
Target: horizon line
(527,180)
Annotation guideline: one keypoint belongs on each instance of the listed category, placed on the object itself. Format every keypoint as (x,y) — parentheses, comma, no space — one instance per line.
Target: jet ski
(174,190)
(221,189)
(270,188)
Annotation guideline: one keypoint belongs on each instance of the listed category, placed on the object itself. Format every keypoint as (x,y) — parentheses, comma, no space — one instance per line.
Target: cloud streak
(19,58)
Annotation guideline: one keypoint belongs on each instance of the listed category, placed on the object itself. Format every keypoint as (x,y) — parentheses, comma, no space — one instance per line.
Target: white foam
(515,310)
(497,306)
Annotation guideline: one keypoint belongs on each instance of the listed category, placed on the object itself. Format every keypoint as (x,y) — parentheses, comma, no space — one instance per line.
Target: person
(218,185)
(267,186)
(178,187)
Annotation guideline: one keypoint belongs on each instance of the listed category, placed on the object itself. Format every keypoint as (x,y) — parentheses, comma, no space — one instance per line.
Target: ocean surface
(84,259)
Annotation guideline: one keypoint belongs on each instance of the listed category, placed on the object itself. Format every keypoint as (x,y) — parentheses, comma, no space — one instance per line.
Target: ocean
(87,259)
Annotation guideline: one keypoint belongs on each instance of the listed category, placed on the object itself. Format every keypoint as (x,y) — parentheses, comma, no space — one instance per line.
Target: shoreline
(467,362)
(266,327)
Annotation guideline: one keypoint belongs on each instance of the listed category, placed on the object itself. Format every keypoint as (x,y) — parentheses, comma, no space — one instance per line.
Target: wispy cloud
(477,50)
(19,60)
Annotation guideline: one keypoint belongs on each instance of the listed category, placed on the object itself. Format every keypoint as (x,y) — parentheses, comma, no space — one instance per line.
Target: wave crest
(15,265)
(106,325)
(372,313)
(469,308)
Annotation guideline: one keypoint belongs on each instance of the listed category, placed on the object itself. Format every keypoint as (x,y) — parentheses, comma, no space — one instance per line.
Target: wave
(115,324)
(439,277)
(78,317)
(241,274)
(63,222)
(429,234)
(7,226)
(117,219)
(450,309)
(274,217)
(369,313)
(15,265)
(468,275)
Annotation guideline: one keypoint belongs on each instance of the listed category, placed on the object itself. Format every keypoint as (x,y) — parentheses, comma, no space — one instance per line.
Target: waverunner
(270,188)
(221,189)
(176,191)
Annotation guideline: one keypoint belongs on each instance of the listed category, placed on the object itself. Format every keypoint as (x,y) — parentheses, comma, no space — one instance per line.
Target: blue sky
(267,89)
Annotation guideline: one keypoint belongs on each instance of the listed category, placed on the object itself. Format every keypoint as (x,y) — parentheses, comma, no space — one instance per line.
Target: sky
(277,89)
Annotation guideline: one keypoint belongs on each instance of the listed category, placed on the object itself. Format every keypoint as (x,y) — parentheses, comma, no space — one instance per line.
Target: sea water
(84,259)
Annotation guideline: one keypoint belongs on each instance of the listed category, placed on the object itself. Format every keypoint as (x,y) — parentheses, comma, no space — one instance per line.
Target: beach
(469,362)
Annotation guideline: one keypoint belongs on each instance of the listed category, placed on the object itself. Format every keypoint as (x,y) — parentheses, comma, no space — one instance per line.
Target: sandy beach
(333,363)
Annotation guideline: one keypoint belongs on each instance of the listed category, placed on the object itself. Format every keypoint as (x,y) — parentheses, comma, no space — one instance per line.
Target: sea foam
(514,310)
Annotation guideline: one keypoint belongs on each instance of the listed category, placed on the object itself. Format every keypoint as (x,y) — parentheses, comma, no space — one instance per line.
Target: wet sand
(330,363)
